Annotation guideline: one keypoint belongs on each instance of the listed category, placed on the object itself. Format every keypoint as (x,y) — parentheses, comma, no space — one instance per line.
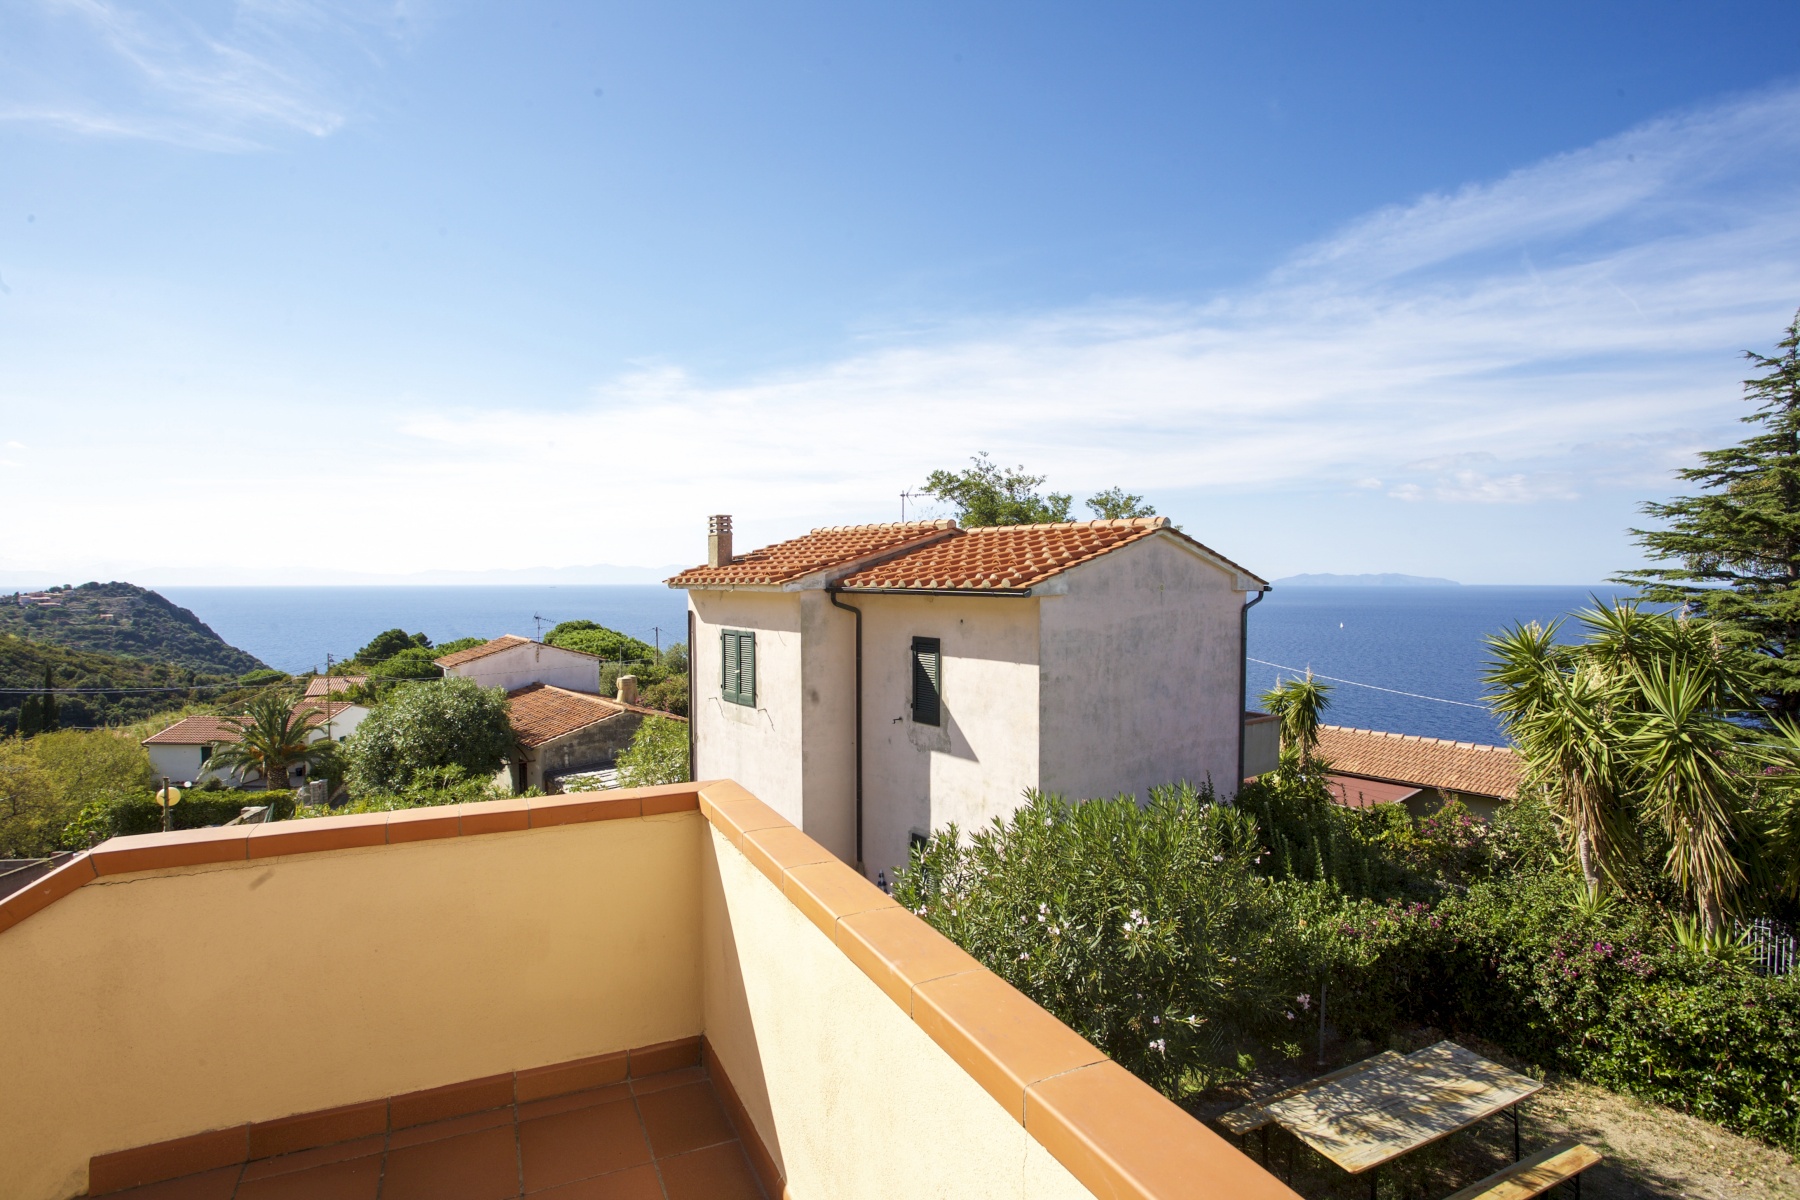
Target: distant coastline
(1385,580)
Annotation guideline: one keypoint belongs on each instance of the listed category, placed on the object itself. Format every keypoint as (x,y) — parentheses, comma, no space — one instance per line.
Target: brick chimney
(627,690)
(718,540)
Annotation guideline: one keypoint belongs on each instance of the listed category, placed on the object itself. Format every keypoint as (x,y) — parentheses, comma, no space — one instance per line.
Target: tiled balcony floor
(661,1137)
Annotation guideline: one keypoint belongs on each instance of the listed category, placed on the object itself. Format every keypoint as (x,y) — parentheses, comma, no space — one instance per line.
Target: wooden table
(1374,1116)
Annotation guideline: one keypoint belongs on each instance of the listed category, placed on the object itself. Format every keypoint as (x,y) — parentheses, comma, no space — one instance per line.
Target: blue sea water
(1423,640)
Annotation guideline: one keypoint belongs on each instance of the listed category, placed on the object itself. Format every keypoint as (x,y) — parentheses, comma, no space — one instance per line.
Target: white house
(512,662)
(181,752)
(874,683)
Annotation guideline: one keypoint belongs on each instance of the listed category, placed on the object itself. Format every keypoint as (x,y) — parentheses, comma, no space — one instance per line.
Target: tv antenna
(904,497)
(540,625)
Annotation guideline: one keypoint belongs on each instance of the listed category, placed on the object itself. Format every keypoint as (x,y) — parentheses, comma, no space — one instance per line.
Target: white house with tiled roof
(181,752)
(511,662)
(876,683)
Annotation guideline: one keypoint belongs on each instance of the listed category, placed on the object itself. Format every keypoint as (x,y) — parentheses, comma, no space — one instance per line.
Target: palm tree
(1694,763)
(1298,703)
(272,739)
(1559,710)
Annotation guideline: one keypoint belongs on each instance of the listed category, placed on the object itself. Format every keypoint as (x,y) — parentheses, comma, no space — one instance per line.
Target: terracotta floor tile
(474,1166)
(584,1142)
(438,1130)
(353,1179)
(716,1173)
(638,1183)
(302,1160)
(574,1100)
(667,1079)
(684,1118)
(208,1185)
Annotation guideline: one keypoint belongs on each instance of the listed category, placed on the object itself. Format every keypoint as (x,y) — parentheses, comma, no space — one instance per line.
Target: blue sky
(298,292)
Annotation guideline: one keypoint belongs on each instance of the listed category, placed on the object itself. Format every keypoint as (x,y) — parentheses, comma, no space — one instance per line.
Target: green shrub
(590,637)
(426,726)
(1146,929)
(658,754)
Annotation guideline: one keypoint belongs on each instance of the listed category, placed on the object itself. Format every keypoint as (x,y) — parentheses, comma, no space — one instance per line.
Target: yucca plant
(1298,703)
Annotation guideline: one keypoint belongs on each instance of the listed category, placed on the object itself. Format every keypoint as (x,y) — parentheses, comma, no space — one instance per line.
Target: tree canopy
(989,494)
(428,726)
(388,643)
(1737,543)
(591,637)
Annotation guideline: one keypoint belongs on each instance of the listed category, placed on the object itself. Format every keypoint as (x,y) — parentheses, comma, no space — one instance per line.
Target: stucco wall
(849,1095)
(1140,673)
(760,747)
(163,1004)
(828,724)
(978,762)
(517,666)
(593,746)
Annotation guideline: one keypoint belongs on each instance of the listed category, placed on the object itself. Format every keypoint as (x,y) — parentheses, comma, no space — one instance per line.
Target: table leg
(1515,1117)
(1374,1181)
(1265,1133)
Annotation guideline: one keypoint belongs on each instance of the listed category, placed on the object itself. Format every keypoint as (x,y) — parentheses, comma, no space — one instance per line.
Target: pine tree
(1738,542)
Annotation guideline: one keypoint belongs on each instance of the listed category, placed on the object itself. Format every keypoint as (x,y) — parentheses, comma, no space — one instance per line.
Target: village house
(876,683)
(321,686)
(562,733)
(1368,767)
(181,752)
(511,662)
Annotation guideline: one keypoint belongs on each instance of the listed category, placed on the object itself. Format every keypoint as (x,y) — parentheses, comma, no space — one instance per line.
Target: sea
(1401,659)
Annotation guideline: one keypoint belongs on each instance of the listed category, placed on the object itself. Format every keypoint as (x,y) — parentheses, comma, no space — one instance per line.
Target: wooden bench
(1251,1117)
(1535,1175)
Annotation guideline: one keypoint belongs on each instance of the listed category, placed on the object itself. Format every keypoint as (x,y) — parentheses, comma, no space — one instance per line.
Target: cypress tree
(1737,543)
(28,716)
(47,708)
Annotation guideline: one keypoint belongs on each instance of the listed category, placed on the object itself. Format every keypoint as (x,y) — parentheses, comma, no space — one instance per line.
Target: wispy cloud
(258,68)
(1572,325)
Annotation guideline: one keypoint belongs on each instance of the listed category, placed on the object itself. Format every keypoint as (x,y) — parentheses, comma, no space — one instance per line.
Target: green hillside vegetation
(590,637)
(128,621)
(23,663)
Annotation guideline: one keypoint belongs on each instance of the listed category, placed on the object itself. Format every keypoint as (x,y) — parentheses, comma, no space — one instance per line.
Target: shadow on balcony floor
(660,1137)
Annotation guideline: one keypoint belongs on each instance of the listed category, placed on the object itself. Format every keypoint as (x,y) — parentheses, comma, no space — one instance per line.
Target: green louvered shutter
(728,664)
(927,681)
(737,666)
(747,669)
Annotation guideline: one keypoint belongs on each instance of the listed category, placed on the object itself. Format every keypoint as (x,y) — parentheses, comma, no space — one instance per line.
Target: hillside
(123,620)
(22,665)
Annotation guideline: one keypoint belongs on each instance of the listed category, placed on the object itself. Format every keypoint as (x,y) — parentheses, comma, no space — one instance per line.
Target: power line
(1371,686)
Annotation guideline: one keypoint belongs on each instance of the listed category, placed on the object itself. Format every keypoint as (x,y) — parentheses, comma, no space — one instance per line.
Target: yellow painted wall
(153,1006)
(850,1096)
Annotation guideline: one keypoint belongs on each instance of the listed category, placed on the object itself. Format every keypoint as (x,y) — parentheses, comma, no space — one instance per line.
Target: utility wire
(1372,687)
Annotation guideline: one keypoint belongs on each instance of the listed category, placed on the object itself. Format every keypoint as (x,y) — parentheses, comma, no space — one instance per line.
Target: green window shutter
(728,664)
(927,681)
(747,674)
(737,666)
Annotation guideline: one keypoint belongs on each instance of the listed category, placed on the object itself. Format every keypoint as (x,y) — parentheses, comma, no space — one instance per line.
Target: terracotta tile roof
(541,712)
(1422,761)
(1352,792)
(946,558)
(320,685)
(837,546)
(1003,556)
(326,709)
(506,642)
(194,731)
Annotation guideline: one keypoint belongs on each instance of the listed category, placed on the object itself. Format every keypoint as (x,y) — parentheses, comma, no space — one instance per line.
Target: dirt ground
(1653,1153)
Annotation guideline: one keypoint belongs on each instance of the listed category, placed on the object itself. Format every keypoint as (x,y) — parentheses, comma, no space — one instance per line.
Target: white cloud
(1575,324)
(106,68)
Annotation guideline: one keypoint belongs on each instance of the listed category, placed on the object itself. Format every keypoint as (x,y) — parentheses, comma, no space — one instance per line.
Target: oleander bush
(1190,939)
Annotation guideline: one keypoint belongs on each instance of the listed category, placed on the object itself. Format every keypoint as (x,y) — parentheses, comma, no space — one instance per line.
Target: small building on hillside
(876,683)
(321,686)
(511,662)
(563,732)
(181,752)
(1368,767)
